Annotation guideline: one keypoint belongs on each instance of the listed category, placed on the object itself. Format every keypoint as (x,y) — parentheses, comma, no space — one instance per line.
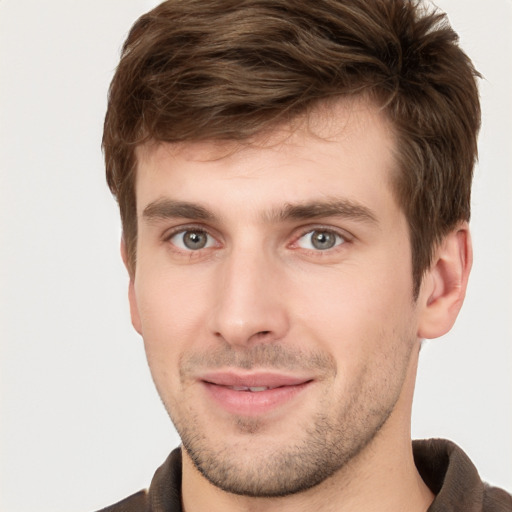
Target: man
(294,185)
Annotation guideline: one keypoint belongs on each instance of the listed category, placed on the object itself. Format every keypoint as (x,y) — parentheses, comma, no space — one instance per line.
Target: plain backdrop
(81,425)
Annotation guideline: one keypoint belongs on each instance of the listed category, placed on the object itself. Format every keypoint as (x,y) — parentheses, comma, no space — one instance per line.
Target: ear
(134,309)
(444,285)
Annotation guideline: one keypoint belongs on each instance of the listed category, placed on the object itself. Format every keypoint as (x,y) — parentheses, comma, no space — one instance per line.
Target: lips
(253,394)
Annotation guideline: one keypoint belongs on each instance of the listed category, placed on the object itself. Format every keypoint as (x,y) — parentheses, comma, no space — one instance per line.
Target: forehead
(347,142)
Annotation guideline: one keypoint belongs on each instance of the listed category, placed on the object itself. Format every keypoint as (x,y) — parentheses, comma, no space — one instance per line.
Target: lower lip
(253,403)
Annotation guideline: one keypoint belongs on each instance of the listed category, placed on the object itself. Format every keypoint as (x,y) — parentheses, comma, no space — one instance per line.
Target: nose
(249,305)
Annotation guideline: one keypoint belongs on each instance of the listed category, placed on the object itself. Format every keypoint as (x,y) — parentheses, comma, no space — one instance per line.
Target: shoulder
(452,477)
(496,500)
(164,493)
(137,502)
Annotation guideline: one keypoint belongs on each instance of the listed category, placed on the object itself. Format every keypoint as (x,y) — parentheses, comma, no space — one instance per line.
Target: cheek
(358,315)
(171,308)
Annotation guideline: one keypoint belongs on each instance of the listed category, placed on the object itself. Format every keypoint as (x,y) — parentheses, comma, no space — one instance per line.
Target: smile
(252,394)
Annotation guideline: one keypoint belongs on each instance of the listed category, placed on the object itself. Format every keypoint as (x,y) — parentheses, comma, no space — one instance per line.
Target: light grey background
(81,425)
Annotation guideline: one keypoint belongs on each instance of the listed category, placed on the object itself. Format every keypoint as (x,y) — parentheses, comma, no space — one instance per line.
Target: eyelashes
(313,239)
(320,239)
(192,240)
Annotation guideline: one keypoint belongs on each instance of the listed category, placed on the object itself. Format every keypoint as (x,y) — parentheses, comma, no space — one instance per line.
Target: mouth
(253,394)
(252,389)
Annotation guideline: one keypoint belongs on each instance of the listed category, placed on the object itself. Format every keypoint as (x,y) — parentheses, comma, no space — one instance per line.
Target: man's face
(273,291)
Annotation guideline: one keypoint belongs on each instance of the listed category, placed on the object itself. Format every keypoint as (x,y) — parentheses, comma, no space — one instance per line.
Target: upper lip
(253,379)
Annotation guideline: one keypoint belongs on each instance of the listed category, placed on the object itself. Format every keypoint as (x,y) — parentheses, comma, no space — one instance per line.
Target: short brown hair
(228,69)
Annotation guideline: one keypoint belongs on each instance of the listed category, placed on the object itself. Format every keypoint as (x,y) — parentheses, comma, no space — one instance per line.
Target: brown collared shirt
(444,467)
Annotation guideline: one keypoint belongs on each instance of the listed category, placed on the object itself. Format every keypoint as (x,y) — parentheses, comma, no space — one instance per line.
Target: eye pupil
(194,239)
(323,240)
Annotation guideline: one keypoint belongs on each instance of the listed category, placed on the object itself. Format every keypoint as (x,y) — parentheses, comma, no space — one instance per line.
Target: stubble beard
(328,443)
(323,451)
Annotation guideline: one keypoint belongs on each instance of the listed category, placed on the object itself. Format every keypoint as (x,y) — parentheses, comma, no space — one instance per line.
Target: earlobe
(134,309)
(444,284)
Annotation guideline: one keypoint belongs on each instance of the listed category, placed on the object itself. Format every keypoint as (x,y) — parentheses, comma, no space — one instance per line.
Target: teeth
(253,389)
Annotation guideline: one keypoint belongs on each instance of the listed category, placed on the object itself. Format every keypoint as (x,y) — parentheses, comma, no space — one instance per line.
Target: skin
(259,296)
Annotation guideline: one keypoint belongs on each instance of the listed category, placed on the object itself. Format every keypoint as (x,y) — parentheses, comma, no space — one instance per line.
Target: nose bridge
(248,305)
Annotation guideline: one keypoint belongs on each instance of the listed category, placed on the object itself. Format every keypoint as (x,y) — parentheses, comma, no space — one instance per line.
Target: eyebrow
(165,208)
(162,209)
(344,208)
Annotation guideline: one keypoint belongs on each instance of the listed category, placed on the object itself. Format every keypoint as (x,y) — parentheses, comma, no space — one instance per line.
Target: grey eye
(192,240)
(320,239)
